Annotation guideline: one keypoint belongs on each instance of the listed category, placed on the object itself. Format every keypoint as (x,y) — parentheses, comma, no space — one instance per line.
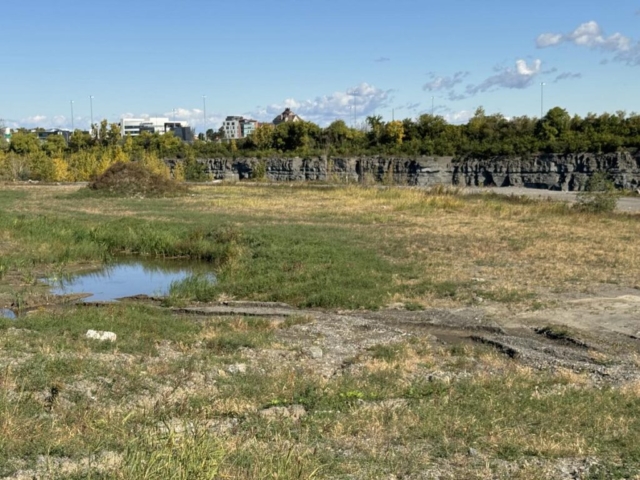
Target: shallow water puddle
(126,278)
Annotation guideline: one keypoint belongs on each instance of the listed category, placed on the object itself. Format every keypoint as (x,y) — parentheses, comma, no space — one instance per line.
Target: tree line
(88,154)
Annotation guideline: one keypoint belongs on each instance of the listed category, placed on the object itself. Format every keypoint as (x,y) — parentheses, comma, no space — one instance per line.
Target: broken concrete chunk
(101,336)
(313,352)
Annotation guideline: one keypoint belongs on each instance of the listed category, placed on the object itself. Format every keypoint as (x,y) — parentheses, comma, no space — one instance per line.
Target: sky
(326,60)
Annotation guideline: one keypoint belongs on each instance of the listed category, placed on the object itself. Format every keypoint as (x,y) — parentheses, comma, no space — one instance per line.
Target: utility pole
(433,99)
(72,126)
(91,106)
(542,84)
(204,115)
(355,114)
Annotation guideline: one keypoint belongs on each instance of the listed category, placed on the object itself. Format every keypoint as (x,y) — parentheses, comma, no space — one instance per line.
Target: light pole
(542,84)
(204,115)
(91,107)
(72,126)
(433,99)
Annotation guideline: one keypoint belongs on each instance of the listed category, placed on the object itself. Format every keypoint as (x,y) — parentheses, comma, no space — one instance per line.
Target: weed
(193,455)
(388,353)
(233,341)
(413,306)
(259,171)
(600,195)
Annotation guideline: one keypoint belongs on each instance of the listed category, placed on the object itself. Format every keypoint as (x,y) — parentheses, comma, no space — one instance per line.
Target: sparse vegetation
(600,195)
(236,397)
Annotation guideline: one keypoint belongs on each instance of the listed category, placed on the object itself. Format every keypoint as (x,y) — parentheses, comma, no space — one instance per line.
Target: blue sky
(256,57)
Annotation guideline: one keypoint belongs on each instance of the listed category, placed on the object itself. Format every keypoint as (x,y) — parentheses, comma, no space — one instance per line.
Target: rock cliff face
(548,171)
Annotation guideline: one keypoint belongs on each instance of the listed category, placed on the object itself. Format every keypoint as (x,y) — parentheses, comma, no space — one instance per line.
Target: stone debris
(237,368)
(314,353)
(101,336)
(294,412)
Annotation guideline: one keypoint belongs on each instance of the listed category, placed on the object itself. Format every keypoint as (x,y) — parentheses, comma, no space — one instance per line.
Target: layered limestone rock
(548,171)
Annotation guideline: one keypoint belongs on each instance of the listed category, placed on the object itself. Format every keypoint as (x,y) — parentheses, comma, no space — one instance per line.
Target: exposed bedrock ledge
(547,171)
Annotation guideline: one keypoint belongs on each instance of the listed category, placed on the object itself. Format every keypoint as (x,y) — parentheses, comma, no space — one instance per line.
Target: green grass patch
(139,328)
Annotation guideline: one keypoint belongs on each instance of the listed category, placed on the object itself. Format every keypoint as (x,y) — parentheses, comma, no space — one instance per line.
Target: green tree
(376,129)
(394,132)
(262,136)
(55,145)
(24,143)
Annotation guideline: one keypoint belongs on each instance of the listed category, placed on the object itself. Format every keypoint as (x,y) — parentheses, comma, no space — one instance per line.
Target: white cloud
(458,117)
(438,83)
(522,76)
(44,121)
(325,109)
(549,39)
(591,35)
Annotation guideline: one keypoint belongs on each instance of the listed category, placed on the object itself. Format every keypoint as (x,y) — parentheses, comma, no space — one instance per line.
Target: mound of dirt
(131,179)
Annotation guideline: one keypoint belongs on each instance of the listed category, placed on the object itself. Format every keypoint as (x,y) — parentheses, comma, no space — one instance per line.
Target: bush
(600,195)
(130,179)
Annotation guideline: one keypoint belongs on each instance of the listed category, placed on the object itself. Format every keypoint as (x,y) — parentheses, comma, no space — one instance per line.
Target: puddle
(126,278)
(6,313)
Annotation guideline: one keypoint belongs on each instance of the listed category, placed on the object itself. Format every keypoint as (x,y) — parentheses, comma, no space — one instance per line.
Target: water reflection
(128,277)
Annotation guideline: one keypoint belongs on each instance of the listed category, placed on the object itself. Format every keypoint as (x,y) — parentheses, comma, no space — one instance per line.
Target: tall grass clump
(199,287)
(129,179)
(600,195)
(192,455)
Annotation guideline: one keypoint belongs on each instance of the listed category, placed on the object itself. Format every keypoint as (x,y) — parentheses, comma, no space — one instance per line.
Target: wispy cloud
(590,35)
(439,83)
(382,59)
(518,77)
(44,121)
(567,76)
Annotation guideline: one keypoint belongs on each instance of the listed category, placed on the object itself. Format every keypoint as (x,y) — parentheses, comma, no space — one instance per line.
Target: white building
(232,127)
(161,125)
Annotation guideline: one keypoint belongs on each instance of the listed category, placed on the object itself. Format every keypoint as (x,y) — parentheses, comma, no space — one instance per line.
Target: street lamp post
(204,115)
(355,111)
(542,84)
(433,99)
(72,126)
(91,107)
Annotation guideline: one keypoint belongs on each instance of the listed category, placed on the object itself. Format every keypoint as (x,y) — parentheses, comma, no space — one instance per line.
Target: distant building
(185,134)
(44,134)
(249,126)
(236,127)
(6,134)
(161,125)
(286,116)
(232,127)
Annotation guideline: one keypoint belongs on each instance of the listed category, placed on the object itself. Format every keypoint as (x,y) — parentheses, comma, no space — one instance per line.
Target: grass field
(203,397)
